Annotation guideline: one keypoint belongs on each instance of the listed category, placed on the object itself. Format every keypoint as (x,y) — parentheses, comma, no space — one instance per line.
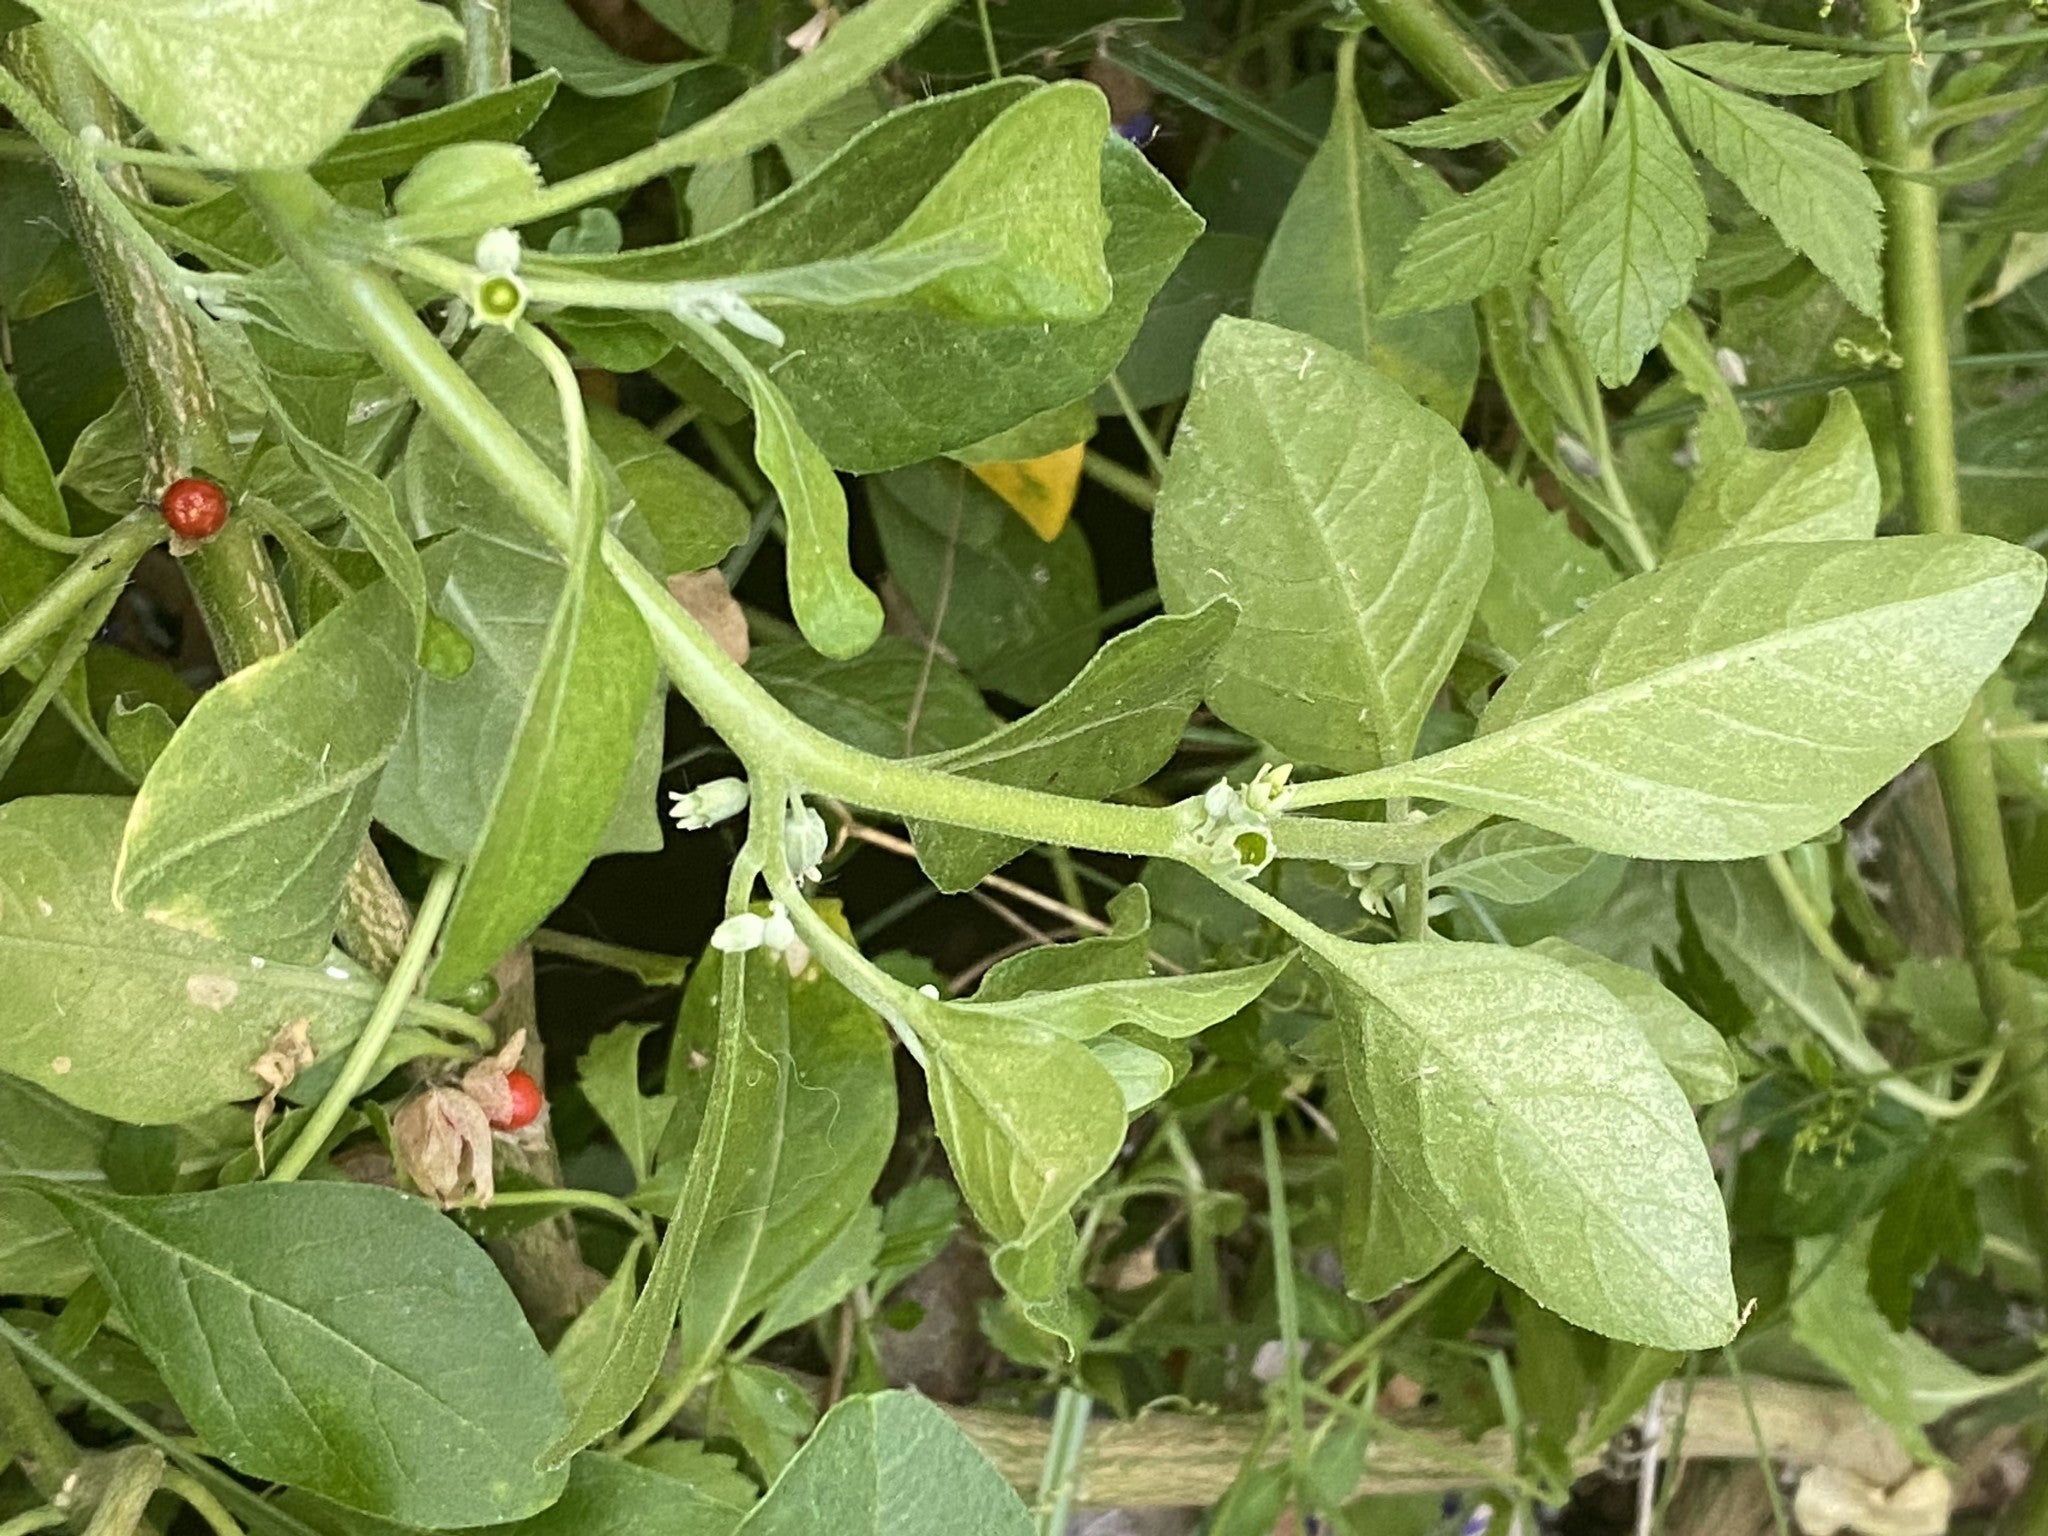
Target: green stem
(1888,45)
(47,686)
(105,565)
(1286,1301)
(28,1428)
(1154,455)
(28,528)
(486,45)
(1860,983)
(656,970)
(391,1004)
(574,1199)
(988,41)
(1113,477)
(197,1497)
(149,307)
(46,1518)
(1963,763)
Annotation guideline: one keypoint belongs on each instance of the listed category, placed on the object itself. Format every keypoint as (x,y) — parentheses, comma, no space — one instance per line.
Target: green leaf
(608,1496)
(898,700)
(1900,1377)
(1774,71)
(247,826)
(26,568)
(43,1137)
(1930,1215)
(860,45)
(694,515)
(549,33)
(1542,572)
(1171,1006)
(827,1137)
(1028,1118)
(609,1075)
(731,1169)
(94,992)
(1741,920)
(1385,1239)
(1020,614)
(1739,702)
(1142,1075)
(1330,268)
(1520,1105)
(890,1462)
(1625,258)
(581,1351)
(836,613)
(705,25)
(1826,490)
(1347,523)
(1112,727)
(1808,183)
(1118,955)
(572,758)
(766,1412)
(877,389)
(1493,236)
(339,1337)
(295,72)
(1498,115)
(1691,1049)
(1028,192)
(1511,863)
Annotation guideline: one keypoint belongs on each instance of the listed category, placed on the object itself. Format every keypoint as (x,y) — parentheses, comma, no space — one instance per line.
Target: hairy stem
(486,45)
(764,734)
(1918,313)
(184,429)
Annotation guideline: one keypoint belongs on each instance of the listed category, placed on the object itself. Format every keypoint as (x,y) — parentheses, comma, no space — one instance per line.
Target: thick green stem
(486,45)
(184,428)
(31,1432)
(765,735)
(1919,324)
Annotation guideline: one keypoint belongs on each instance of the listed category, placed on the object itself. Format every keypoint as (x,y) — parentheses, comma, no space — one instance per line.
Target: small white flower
(778,932)
(738,934)
(708,804)
(804,840)
(498,251)
(1732,366)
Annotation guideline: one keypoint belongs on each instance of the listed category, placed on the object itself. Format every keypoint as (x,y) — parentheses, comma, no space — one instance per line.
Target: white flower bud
(497,251)
(804,839)
(708,804)
(738,934)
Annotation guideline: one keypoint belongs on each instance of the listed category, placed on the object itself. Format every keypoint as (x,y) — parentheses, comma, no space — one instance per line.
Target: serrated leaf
(1808,183)
(1349,526)
(248,824)
(1485,118)
(1492,236)
(1521,1107)
(1692,1051)
(1828,489)
(1776,71)
(340,1337)
(1739,702)
(1542,575)
(1330,267)
(1626,257)
(1112,727)
(249,84)
(127,1017)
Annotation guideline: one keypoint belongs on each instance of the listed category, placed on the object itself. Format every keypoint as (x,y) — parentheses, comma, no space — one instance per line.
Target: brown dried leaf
(290,1053)
(707,599)
(442,1139)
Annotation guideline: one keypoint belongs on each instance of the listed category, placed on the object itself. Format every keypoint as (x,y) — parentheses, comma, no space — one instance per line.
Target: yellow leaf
(1041,491)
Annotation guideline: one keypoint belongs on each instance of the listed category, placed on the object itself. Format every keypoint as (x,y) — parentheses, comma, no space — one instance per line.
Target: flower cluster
(1235,832)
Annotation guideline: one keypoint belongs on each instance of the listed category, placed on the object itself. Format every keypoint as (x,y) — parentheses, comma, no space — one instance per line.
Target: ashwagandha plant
(1500,983)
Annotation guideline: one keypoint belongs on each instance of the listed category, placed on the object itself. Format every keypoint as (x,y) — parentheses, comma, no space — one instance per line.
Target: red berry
(195,509)
(526,1104)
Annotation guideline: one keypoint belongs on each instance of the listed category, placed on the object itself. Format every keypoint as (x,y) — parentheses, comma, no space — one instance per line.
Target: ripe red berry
(195,509)
(526,1104)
